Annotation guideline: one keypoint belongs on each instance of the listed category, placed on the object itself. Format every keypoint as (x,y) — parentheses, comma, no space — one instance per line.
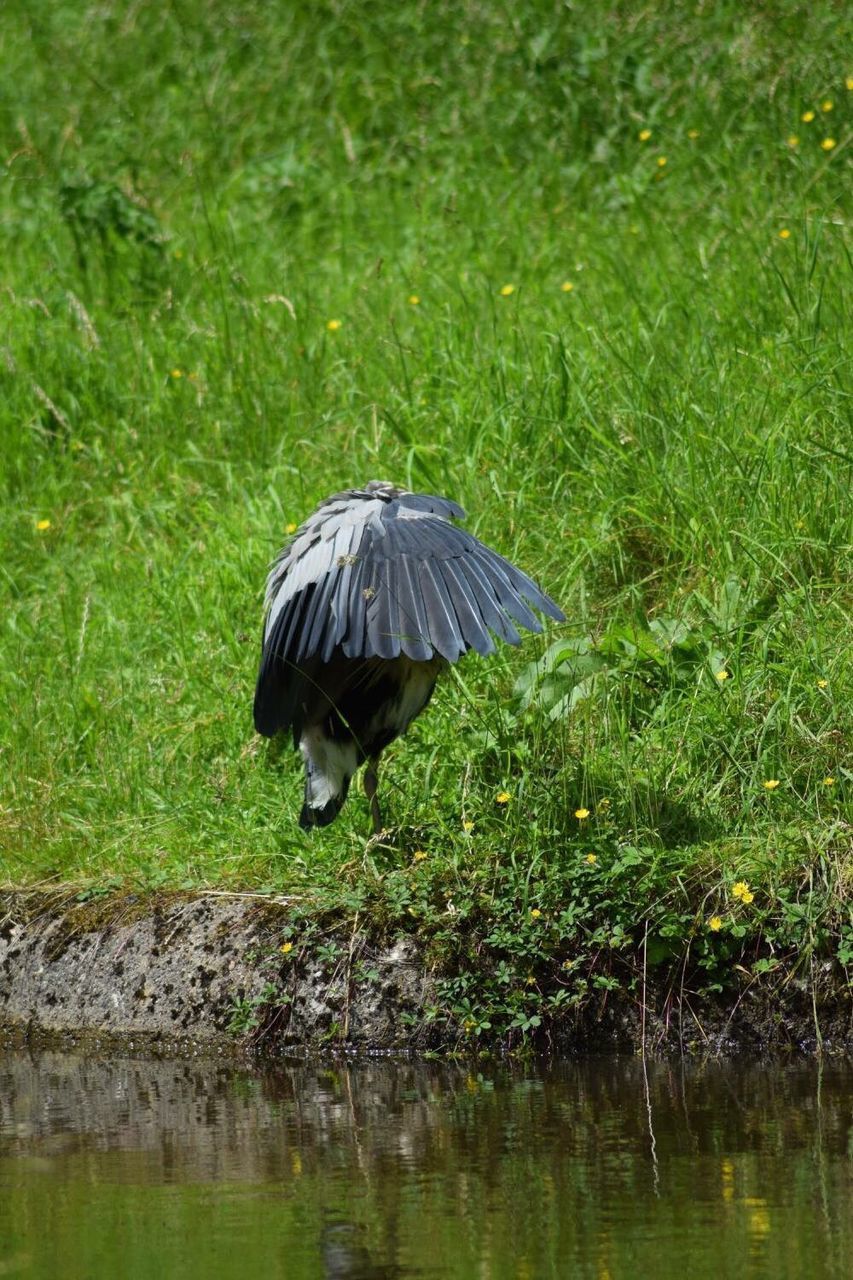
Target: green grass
(197,191)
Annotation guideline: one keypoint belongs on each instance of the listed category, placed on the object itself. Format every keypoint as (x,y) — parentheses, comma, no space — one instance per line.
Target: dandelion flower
(286,948)
(467,825)
(807,117)
(722,676)
(580,814)
(827,144)
(333,325)
(849,82)
(770,784)
(567,286)
(418,855)
(715,924)
(503,797)
(414,300)
(644,135)
(535,913)
(176,373)
(793,140)
(42,525)
(693,134)
(784,234)
(507,290)
(821,684)
(590,859)
(741,891)
(827,105)
(829,782)
(290,527)
(661,161)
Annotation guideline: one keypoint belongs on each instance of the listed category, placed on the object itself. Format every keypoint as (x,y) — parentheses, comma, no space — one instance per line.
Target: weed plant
(585,269)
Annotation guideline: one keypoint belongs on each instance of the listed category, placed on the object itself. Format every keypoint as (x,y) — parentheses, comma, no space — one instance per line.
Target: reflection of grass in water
(664,444)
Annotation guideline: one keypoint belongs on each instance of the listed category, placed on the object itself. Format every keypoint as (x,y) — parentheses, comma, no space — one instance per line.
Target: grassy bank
(587,272)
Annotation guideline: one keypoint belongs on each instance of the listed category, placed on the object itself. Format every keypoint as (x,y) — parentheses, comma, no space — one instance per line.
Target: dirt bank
(216,970)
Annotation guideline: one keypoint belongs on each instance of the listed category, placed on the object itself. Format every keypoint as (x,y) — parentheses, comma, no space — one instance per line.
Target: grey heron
(375,594)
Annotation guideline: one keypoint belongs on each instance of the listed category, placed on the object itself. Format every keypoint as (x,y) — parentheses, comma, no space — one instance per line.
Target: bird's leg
(371,782)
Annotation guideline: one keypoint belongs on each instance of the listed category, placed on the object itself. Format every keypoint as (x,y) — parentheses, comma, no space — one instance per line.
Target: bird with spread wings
(375,594)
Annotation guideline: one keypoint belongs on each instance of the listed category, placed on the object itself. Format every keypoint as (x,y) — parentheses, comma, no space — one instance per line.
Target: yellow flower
(849,82)
(741,891)
(715,924)
(770,784)
(467,825)
(807,117)
(829,782)
(535,913)
(644,135)
(503,797)
(42,525)
(290,527)
(827,105)
(793,140)
(821,684)
(580,814)
(414,299)
(827,144)
(333,325)
(507,290)
(661,161)
(286,948)
(722,676)
(567,286)
(590,859)
(418,855)
(176,373)
(784,234)
(693,133)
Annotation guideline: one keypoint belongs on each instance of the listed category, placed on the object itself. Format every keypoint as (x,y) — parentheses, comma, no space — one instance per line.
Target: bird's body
(376,593)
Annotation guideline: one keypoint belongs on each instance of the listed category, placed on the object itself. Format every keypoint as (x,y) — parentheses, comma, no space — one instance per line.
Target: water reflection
(601,1168)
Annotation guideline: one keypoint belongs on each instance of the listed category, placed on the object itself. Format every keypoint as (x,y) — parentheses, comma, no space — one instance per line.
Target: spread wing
(379,577)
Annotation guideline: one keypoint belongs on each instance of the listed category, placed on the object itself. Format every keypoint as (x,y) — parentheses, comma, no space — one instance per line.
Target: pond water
(602,1167)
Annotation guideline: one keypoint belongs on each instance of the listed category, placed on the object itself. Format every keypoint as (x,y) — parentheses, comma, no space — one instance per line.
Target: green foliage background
(188,195)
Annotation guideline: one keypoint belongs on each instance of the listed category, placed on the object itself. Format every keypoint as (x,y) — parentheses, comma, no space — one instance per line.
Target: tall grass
(654,420)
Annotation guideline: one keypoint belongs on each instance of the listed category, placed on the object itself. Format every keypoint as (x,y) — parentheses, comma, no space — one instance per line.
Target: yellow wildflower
(42,525)
(590,859)
(176,373)
(715,924)
(741,891)
(793,140)
(693,133)
(535,913)
(567,286)
(821,684)
(644,135)
(418,855)
(414,299)
(503,797)
(580,814)
(507,290)
(722,676)
(661,161)
(770,784)
(333,325)
(784,234)
(467,825)
(827,144)
(849,82)
(286,948)
(827,105)
(829,781)
(290,527)
(807,117)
